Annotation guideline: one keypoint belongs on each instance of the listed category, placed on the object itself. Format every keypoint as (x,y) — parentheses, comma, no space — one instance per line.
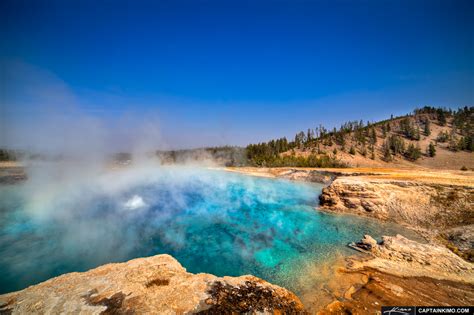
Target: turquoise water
(211,221)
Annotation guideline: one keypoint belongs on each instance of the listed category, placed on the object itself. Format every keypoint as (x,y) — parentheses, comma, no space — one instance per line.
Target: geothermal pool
(211,221)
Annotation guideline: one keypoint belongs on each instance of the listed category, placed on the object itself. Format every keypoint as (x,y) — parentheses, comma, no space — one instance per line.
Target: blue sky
(228,72)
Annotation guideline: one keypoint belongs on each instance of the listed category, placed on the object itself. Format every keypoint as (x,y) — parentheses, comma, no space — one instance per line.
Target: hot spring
(211,221)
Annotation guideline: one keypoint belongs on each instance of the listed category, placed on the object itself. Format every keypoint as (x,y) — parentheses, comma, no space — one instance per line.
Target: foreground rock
(153,285)
(398,271)
(382,289)
(400,256)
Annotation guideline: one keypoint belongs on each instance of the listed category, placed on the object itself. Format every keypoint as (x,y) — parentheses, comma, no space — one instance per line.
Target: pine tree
(431,150)
(387,154)
(441,117)
(352,150)
(372,151)
(396,144)
(363,150)
(413,153)
(416,136)
(373,136)
(427,130)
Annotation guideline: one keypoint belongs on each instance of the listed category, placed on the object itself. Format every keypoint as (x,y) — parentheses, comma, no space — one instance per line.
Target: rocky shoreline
(442,213)
(438,205)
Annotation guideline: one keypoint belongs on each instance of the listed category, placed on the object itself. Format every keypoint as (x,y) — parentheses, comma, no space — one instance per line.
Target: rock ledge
(402,257)
(153,285)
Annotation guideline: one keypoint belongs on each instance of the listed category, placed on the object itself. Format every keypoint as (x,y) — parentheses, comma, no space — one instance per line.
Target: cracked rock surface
(152,285)
(400,256)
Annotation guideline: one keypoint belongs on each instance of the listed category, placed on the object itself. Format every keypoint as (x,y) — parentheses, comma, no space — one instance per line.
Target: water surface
(211,221)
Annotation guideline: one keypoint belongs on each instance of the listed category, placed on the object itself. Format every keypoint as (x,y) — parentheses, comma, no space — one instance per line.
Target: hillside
(427,138)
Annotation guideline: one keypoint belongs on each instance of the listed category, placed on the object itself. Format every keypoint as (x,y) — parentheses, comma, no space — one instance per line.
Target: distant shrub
(443,136)
(396,144)
(427,130)
(409,129)
(372,151)
(441,116)
(7,155)
(431,150)
(352,150)
(463,168)
(413,153)
(387,154)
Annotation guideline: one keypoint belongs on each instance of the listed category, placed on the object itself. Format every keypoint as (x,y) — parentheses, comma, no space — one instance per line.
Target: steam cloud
(76,210)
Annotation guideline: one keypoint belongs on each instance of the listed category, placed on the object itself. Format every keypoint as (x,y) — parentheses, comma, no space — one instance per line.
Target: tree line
(364,136)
